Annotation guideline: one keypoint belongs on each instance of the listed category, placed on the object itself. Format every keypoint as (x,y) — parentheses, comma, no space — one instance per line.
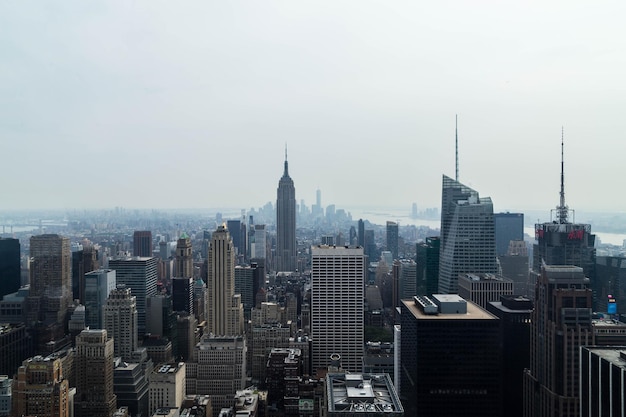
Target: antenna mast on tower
(456,135)
(562,209)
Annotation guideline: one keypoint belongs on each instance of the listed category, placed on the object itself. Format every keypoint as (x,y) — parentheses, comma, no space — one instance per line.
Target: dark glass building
(451,358)
(10,274)
(427,259)
(182,294)
(142,243)
(392,238)
(509,226)
(514,314)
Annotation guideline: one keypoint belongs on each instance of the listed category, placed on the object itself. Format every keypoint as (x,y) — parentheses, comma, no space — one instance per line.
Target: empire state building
(286,223)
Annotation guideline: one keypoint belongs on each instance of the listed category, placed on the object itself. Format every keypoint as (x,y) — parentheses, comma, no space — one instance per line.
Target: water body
(381,216)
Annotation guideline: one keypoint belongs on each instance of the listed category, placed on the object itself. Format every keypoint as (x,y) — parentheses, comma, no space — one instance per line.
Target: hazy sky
(190,103)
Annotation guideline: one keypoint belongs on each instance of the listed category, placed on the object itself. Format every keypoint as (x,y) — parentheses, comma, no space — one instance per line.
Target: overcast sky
(175,104)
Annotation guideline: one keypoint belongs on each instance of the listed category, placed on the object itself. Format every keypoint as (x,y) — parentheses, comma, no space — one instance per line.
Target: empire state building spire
(286,172)
(286,222)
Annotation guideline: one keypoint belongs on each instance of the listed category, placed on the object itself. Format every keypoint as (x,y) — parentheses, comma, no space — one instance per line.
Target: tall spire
(286,173)
(456,135)
(562,209)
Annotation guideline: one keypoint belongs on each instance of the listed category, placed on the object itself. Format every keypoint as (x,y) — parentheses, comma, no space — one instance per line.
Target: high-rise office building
(120,321)
(167,386)
(225,311)
(561,242)
(514,314)
(514,266)
(467,235)
(508,227)
(142,243)
(218,369)
(610,281)
(361,233)
(602,382)
(200,301)
(182,294)
(50,289)
(130,386)
(140,275)
(258,247)
(15,346)
(392,238)
(93,367)
(237,233)
(41,389)
(451,358)
(10,269)
(337,294)
(482,289)
(184,257)
(244,285)
(286,223)
(5,395)
(98,285)
(560,325)
(427,259)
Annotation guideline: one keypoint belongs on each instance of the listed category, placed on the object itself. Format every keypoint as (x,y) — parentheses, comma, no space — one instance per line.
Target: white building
(167,386)
(120,321)
(337,301)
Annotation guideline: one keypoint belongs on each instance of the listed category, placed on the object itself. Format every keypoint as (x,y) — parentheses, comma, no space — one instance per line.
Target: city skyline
(355,89)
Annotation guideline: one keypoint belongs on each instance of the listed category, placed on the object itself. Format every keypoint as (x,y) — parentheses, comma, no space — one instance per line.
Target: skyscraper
(467,234)
(286,222)
(508,227)
(392,238)
(140,275)
(427,259)
(337,294)
(361,233)
(142,243)
(50,287)
(120,321)
(41,389)
(225,311)
(219,370)
(184,257)
(98,285)
(93,366)
(561,242)
(258,247)
(182,294)
(451,358)
(9,266)
(560,325)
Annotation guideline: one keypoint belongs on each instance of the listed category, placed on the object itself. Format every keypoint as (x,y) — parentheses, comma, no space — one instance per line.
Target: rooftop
(474,312)
(362,393)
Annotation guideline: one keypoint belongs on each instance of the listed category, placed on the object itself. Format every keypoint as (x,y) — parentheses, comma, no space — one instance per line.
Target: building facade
(10,267)
(120,321)
(140,275)
(98,285)
(468,241)
(337,294)
(451,358)
(482,289)
(142,243)
(602,381)
(41,389)
(560,325)
(93,365)
(225,311)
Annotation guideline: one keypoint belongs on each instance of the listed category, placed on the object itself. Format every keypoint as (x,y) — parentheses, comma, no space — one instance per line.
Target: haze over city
(189,105)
